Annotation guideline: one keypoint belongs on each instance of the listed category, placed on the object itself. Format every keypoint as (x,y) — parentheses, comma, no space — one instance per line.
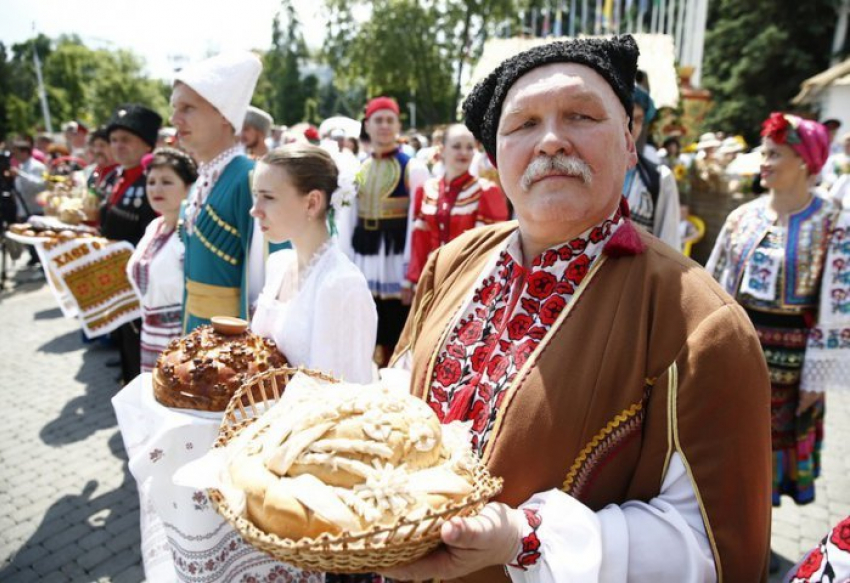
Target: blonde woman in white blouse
(315,304)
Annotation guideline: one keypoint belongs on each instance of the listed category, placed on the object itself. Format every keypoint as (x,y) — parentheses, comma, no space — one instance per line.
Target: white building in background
(829,94)
(684,21)
(657,59)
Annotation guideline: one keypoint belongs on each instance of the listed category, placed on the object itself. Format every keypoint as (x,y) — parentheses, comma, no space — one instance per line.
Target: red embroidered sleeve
(419,245)
(492,206)
(529,552)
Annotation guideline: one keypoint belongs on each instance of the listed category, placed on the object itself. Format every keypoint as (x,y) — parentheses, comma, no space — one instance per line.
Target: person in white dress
(170,174)
(316,304)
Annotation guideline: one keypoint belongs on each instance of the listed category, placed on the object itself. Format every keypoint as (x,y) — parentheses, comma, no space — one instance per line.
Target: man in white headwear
(255,131)
(210,99)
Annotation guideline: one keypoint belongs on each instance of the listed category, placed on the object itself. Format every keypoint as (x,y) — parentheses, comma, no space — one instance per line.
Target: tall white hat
(227,81)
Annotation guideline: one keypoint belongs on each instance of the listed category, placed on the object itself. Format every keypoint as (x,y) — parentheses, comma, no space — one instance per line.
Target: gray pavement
(68,507)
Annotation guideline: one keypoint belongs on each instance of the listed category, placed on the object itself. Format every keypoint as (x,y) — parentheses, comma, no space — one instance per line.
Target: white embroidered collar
(208,175)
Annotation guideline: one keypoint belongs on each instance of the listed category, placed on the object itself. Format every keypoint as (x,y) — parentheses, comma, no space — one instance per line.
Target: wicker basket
(372,550)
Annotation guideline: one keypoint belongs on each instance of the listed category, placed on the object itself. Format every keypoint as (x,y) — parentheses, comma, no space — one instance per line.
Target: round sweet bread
(204,369)
(341,463)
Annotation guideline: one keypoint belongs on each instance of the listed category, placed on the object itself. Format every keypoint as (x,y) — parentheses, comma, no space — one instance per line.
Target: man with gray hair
(615,388)
(255,131)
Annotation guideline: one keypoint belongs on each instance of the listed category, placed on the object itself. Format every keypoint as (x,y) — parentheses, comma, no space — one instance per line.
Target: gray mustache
(544,165)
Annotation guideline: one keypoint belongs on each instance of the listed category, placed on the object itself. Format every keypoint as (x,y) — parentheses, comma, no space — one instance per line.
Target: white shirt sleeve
(667,213)
(662,540)
(344,330)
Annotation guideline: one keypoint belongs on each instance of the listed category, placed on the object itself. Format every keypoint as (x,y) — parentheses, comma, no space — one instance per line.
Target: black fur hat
(136,119)
(615,59)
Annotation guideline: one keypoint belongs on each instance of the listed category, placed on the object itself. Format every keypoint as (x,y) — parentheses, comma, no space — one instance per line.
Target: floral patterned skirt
(796,440)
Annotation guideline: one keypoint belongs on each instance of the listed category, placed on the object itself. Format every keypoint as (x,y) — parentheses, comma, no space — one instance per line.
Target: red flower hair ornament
(809,139)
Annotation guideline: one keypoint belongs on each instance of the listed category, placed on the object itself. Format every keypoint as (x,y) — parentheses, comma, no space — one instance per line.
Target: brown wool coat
(650,358)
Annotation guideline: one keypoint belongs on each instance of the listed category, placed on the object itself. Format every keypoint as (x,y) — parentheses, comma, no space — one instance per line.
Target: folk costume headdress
(379,103)
(643,99)
(809,139)
(227,81)
(136,119)
(257,118)
(614,59)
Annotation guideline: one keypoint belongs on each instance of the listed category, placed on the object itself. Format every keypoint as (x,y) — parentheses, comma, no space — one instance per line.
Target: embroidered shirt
(208,174)
(511,311)
(443,210)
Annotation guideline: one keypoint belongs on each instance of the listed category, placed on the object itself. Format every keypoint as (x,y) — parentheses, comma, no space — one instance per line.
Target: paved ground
(68,507)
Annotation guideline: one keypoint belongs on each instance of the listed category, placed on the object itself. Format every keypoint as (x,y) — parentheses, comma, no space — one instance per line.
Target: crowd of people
(526,267)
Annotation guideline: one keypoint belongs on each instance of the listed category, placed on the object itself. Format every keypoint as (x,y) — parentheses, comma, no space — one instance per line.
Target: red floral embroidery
(578,269)
(811,565)
(497,366)
(448,372)
(478,357)
(551,309)
(456,350)
(470,332)
(530,543)
(578,245)
(523,351)
(485,390)
(519,325)
(541,284)
(538,332)
(529,553)
(489,292)
(841,535)
(565,288)
(550,257)
(479,414)
(488,346)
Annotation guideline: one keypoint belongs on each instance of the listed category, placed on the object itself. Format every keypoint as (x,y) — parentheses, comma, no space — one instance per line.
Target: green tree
(4,93)
(23,110)
(281,90)
(80,83)
(757,52)
(414,50)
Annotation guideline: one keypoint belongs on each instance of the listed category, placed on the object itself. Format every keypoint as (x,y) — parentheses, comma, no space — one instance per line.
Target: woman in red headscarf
(770,255)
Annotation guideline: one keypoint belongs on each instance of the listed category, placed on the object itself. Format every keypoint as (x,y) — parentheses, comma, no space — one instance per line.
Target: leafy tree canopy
(757,52)
(80,83)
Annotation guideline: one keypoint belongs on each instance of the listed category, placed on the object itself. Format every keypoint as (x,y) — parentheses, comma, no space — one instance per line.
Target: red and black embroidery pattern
(529,552)
(511,311)
(830,560)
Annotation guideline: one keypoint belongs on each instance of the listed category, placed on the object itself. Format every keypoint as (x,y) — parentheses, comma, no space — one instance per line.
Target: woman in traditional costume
(170,174)
(316,304)
(448,206)
(770,255)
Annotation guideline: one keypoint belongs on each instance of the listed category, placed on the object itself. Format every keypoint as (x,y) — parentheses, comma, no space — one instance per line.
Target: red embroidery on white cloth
(511,311)
(529,552)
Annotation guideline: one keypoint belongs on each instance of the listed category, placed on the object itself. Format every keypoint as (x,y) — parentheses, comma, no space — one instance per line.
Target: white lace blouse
(324,317)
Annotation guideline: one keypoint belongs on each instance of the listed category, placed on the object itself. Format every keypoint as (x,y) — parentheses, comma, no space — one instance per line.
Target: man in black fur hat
(132,133)
(615,388)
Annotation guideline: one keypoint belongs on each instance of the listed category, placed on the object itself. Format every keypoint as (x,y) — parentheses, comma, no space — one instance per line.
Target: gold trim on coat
(673,389)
